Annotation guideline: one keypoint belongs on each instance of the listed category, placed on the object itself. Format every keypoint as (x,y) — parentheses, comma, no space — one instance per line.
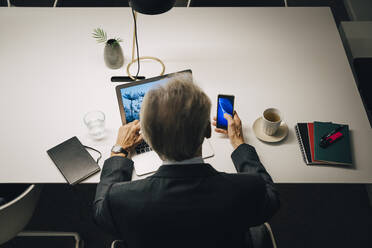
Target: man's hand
(234,129)
(129,136)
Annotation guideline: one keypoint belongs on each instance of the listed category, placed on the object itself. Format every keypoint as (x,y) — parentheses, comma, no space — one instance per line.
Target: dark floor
(311,215)
(323,215)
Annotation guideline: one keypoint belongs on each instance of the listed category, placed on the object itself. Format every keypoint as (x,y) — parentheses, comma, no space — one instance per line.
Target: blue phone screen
(225,105)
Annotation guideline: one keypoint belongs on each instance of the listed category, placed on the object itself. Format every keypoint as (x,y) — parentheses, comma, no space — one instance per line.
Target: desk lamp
(147,7)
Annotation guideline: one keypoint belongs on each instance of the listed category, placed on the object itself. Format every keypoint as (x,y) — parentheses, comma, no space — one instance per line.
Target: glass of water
(95,121)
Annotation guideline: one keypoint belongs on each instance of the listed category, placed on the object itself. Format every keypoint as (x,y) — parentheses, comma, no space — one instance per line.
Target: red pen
(331,137)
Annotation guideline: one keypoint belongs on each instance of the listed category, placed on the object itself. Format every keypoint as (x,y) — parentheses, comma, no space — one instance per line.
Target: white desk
(52,73)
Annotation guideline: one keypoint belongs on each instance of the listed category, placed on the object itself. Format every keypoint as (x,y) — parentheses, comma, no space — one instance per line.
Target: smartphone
(225,104)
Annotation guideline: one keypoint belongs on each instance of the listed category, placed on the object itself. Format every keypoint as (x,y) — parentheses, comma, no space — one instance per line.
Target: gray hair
(175,118)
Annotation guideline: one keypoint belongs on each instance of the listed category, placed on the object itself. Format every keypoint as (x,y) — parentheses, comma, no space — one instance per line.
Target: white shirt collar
(195,160)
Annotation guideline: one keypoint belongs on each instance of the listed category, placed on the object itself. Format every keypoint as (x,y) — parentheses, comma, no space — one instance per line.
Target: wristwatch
(118,149)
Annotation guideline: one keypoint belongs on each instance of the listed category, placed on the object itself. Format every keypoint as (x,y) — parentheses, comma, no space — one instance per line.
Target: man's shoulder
(125,194)
(150,183)
(130,186)
(244,181)
(235,183)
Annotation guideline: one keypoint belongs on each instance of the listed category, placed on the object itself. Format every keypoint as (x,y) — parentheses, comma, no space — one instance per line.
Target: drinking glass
(95,122)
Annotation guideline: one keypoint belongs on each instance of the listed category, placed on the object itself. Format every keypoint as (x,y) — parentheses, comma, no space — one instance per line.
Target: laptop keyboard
(143,147)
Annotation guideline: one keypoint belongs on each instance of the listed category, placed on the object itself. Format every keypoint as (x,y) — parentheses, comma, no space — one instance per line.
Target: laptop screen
(132,98)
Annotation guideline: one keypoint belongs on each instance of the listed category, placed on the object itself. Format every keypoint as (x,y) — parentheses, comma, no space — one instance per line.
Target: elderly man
(186,203)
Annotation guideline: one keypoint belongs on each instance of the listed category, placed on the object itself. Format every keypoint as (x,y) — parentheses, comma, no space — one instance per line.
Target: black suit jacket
(189,205)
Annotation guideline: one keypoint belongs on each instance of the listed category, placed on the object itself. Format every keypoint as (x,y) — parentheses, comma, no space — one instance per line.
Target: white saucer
(280,134)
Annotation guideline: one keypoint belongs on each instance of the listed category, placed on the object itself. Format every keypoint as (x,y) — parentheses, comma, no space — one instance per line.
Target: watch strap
(118,149)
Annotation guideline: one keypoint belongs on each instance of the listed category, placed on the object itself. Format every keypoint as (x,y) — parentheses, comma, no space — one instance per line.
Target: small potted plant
(113,54)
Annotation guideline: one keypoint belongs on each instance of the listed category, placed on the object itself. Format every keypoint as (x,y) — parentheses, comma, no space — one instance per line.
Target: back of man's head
(175,118)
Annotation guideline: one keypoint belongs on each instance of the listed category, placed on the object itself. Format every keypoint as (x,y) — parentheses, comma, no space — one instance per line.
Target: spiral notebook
(308,136)
(303,137)
(339,152)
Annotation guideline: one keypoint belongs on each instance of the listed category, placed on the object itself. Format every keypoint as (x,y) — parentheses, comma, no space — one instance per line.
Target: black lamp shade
(151,7)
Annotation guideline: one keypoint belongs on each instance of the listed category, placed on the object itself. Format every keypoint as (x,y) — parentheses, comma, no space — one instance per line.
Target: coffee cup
(271,121)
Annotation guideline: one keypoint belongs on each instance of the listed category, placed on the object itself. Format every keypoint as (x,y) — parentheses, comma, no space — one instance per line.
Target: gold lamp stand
(141,58)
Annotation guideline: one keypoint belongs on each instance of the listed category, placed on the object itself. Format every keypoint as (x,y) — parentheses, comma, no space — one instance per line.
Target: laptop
(130,98)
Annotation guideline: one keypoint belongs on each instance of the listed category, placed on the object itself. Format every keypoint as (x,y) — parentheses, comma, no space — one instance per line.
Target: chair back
(15,214)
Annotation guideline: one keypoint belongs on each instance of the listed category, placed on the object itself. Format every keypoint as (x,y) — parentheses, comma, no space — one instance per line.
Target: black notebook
(74,162)
(303,140)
